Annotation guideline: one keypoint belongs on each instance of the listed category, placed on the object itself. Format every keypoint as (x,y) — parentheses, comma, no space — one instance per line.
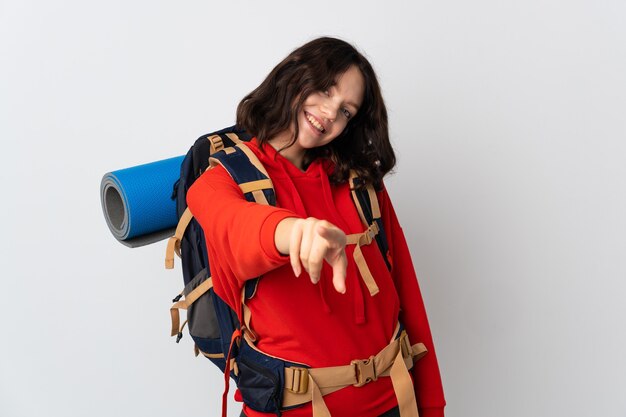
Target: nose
(329,109)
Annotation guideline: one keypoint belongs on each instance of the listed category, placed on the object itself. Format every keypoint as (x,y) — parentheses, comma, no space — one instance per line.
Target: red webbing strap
(236,335)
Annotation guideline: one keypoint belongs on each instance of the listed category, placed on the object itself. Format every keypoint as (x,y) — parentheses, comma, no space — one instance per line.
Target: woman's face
(324,115)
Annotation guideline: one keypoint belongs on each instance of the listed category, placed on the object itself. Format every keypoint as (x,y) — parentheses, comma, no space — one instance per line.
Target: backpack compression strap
(173,244)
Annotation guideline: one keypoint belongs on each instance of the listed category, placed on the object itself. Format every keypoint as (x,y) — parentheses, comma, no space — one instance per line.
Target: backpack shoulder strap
(248,172)
(366,203)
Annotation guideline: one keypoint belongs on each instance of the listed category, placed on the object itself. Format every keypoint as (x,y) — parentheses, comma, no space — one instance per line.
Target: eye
(346,113)
(326,93)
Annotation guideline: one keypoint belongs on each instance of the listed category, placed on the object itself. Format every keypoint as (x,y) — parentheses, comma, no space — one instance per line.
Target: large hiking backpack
(213,325)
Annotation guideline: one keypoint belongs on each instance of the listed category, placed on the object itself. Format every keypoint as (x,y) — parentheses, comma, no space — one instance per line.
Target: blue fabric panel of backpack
(137,201)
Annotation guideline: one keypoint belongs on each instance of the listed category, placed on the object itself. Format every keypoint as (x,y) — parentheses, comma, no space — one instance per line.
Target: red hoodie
(307,323)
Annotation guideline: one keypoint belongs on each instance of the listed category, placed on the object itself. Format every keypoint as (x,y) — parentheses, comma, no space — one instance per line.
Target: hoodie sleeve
(239,233)
(426,376)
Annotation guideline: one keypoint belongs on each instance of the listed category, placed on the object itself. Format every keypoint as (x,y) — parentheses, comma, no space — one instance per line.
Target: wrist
(282,235)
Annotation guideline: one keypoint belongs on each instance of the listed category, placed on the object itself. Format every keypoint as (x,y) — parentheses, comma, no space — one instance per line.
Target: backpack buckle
(364,371)
(372,231)
(300,381)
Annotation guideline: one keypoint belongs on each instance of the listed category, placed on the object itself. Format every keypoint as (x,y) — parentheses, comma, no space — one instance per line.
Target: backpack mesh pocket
(201,317)
(202,320)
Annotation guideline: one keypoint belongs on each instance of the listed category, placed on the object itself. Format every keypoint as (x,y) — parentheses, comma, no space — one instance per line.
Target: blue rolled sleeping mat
(137,202)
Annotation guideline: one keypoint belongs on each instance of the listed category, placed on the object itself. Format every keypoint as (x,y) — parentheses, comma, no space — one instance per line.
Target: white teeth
(315,123)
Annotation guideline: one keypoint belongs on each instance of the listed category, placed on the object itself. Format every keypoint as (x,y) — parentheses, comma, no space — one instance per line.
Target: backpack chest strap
(360,239)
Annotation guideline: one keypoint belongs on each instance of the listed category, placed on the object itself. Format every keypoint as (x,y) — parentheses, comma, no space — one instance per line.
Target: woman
(318,116)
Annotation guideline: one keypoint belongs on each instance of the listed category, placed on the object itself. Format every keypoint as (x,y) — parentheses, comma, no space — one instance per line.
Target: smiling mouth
(314,122)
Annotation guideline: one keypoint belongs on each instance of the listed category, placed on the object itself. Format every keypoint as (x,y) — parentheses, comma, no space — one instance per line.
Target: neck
(294,153)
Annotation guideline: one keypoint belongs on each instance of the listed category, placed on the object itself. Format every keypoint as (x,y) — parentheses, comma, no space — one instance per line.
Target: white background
(508,119)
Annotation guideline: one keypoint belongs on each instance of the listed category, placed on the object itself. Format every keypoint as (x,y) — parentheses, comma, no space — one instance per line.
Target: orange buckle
(300,382)
(364,371)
